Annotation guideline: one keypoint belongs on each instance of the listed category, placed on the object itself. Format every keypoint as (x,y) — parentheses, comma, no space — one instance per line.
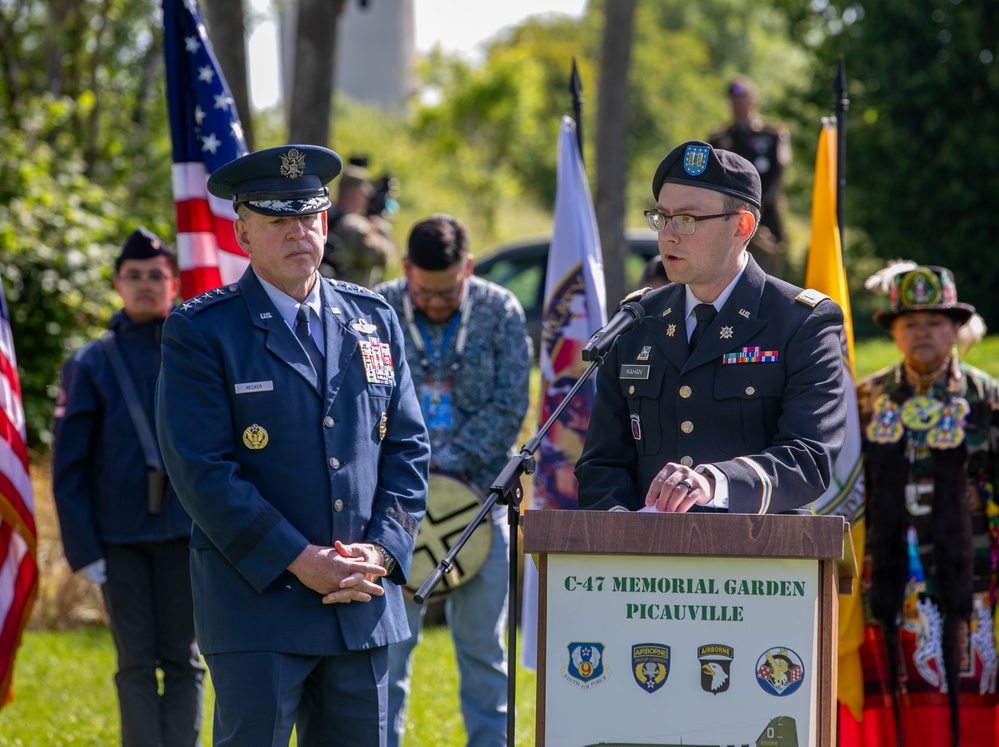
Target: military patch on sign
(716,663)
(585,668)
(636,426)
(751,355)
(377,357)
(779,671)
(650,665)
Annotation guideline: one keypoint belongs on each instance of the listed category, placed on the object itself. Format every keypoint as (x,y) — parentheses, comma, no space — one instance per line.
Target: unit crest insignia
(586,667)
(650,665)
(779,671)
(716,663)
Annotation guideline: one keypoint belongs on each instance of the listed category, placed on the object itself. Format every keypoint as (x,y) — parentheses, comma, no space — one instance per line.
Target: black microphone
(628,316)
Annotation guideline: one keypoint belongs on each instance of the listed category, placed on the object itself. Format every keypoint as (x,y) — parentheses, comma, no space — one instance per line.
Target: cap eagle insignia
(293,164)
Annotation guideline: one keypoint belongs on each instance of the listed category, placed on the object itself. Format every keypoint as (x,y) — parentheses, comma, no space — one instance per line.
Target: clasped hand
(342,573)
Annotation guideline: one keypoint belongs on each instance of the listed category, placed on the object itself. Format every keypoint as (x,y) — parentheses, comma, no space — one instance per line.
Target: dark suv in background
(522,266)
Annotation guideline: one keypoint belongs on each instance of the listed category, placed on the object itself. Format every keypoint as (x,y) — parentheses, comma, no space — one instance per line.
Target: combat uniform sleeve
(797,467)
(494,426)
(401,497)
(195,430)
(77,427)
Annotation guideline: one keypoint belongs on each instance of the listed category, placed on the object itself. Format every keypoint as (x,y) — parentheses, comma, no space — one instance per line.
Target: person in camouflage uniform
(930,426)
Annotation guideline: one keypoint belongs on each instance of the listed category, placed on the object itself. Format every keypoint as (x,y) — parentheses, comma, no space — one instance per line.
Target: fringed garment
(929,584)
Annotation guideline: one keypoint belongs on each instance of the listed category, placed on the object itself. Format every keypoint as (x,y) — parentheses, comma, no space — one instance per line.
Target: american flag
(206,134)
(18,536)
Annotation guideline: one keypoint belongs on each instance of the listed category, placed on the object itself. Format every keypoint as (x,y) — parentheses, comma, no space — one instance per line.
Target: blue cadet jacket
(761,398)
(268,458)
(99,471)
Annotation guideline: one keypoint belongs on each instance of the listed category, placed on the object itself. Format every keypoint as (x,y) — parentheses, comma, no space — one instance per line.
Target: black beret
(142,244)
(289,180)
(697,164)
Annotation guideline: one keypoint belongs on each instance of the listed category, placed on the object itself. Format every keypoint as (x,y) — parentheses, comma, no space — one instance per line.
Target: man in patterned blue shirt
(467,343)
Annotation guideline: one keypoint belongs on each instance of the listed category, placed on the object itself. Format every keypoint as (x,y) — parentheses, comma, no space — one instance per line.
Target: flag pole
(576,89)
(842,104)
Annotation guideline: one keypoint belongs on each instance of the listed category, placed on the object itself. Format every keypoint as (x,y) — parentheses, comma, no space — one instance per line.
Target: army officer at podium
(291,431)
(729,395)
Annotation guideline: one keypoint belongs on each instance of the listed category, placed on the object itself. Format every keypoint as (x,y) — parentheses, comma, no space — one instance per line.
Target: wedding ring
(685,484)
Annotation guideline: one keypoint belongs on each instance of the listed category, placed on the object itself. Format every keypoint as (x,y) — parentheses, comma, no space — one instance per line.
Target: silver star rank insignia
(726,333)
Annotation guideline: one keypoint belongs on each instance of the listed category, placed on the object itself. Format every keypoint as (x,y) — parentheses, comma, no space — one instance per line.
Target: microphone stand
(506,489)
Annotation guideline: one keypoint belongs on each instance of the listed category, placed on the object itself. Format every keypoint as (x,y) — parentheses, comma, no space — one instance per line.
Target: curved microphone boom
(629,315)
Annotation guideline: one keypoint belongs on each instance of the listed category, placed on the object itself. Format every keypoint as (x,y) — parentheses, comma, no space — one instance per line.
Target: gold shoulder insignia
(810,297)
(635,296)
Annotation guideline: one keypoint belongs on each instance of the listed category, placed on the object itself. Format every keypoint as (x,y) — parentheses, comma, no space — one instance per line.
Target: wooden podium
(687,629)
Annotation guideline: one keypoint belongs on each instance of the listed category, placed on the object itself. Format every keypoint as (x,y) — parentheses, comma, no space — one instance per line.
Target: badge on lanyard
(435,400)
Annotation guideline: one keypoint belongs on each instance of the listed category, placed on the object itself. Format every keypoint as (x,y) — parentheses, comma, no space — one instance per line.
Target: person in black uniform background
(293,434)
(768,148)
(120,529)
(750,413)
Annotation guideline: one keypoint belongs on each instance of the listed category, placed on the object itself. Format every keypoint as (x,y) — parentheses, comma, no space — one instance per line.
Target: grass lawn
(64,694)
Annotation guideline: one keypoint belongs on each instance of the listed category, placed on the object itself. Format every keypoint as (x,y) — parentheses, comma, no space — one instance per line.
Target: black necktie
(705,313)
(304,335)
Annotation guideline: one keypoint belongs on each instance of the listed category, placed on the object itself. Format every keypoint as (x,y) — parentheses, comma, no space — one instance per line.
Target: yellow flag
(826,272)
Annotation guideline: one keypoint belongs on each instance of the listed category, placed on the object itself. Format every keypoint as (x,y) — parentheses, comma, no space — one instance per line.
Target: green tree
(923,82)
(86,159)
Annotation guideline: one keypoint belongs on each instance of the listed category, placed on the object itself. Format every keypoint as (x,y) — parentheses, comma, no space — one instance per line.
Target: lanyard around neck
(417,331)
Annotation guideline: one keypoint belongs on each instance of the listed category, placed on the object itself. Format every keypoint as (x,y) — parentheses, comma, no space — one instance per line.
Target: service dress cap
(923,288)
(288,180)
(697,164)
(142,244)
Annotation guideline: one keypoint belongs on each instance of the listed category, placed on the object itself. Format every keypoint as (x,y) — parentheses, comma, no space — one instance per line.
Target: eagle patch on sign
(716,663)
(779,671)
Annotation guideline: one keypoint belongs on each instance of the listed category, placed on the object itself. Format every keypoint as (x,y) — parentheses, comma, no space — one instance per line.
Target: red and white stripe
(207,251)
(18,534)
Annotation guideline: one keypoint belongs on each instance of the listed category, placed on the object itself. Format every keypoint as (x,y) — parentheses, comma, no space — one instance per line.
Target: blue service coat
(761,398)
(267,459)
(98,466)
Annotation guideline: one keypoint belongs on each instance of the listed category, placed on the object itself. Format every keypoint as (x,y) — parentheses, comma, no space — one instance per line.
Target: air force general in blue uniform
(299,449)
(746,413)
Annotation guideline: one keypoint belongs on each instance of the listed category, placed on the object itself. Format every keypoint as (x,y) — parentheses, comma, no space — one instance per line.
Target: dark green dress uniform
(761,398)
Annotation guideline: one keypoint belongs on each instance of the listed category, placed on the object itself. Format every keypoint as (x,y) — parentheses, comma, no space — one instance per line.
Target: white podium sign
(693,651)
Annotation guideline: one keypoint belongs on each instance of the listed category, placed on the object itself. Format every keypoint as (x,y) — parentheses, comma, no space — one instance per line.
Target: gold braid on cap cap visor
(300,194)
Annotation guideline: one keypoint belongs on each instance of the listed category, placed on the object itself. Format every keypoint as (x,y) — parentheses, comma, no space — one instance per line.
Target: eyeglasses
(152,277)
(684,224)
(448,296)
